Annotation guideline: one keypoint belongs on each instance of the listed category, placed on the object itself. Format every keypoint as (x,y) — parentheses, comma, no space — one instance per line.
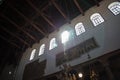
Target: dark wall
(34,70)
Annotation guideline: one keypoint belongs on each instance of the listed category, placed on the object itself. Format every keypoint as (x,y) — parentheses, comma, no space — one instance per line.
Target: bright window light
(53,43)
(65,36)
(42,49)
(32,54)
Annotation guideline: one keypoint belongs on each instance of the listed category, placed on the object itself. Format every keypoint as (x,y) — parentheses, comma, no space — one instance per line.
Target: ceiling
(25,22)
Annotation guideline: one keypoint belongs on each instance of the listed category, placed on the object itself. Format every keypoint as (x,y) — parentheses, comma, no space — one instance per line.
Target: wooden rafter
(41,14)
(78,6)
(47,33)
(46,19)
(45,7)
(97,3)
(28,20)
(10,42)
(58,8)
(12,34)
(41,27)
(32,18)
(12,22)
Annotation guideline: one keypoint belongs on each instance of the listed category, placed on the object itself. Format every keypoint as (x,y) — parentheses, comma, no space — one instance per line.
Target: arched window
(96,19)
(32,54)
(42,49)
(114,8)
(65,36)
(53,43)
(79,28)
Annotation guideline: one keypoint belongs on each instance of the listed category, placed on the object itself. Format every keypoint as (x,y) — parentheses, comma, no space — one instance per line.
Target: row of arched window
(95,18)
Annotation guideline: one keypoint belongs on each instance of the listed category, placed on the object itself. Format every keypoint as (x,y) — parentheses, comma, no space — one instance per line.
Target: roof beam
(41,14)
(97,3)
(32,18)
(58,8)
(12,22)
(49,22)
(78,6)
(9,42)
(45,7)
(47,33)
(28,20)
(41,27)
(15,36)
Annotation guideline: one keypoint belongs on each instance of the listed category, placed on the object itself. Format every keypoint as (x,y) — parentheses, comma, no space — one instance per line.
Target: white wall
(106,35)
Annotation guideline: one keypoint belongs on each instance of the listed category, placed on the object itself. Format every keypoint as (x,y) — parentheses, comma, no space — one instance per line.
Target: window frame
(114,7)
(79,28)
(96,19)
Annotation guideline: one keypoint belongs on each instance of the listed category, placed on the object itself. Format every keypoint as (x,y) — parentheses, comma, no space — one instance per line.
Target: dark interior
(25,22)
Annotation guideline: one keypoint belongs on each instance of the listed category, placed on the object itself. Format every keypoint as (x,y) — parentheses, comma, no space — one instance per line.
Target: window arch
(42,49)
(32,54)
(53,43)
(79,28)
(114,8)
(96,19)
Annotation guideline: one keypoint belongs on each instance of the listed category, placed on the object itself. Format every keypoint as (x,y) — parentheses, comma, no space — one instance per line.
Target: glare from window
(53,43)
(79,28)
(42,49)
(114,8)
(96,19)
(32,54)
(65,36)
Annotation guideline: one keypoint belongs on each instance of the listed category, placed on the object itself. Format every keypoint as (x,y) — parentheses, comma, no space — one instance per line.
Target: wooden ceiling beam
(32,18)
(48,21)
(41,14)
(28,20)
(12,34)
(78,6)
(41,27)
(47,33)
(45,7)
(97,3)
(58,8)
(12,22)
(10,42)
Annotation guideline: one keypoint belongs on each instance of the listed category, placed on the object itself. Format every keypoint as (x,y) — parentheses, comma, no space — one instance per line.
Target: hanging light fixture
(10,72)
(80,75)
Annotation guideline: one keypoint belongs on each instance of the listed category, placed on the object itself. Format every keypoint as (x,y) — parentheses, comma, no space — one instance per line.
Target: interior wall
(105,34)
